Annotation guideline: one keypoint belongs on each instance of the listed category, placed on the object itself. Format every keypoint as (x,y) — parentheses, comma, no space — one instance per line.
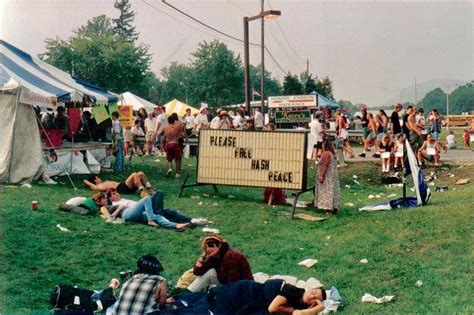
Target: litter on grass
(62,229)
(348,186)
(349,204)
(354,176)
(371,197)
(364,261)
(419,283)
(463,181)
(369,298)
(308,262)
(26,185)
(210,230)
(356,182)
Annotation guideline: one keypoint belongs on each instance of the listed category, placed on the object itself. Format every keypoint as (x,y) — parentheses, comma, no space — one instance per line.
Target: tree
(124,23)
(461,100)
(97,54)
(435,99)
(309,83)
(324,87)
(291,85)
(178,83)
(218,80)
(272,86)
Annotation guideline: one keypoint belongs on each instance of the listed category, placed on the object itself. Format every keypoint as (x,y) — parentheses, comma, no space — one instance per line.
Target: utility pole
(416,94)
(262,69)
(307,67)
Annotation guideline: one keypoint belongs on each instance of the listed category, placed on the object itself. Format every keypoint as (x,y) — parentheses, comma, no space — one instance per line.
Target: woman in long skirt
(327,196)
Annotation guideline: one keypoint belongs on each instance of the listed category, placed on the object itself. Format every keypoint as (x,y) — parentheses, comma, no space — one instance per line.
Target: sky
(371,50)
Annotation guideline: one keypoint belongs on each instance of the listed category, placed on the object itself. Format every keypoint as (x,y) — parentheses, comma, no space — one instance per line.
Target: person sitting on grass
(146,291)
(136,181)
(429,151)
(218,264)
(149,210)
(250,297)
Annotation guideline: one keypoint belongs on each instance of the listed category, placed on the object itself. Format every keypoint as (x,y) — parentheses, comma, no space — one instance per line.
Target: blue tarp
(323,101)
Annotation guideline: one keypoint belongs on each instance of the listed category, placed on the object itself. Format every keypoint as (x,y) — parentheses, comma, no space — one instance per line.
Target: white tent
(137,102)
(26,81)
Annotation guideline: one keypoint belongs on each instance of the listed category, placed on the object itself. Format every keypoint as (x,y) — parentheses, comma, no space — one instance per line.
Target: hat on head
(149,264)
(202,108)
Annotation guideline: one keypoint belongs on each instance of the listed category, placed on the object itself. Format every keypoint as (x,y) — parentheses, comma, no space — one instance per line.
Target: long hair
(327,146)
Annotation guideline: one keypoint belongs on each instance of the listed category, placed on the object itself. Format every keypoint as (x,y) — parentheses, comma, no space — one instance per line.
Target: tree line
(106,52)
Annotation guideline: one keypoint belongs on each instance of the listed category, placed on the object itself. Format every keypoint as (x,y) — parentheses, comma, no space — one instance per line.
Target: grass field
(431,243)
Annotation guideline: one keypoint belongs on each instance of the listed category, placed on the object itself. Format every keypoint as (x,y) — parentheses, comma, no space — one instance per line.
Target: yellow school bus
(458,120)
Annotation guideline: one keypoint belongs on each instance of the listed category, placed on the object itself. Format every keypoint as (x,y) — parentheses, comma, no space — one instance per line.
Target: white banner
(31,98)
(65,162)
(291,101)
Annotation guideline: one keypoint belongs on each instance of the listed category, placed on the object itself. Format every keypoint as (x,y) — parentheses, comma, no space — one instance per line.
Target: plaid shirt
(138,295)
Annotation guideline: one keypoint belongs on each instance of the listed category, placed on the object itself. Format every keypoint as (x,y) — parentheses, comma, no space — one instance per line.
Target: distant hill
(423,88)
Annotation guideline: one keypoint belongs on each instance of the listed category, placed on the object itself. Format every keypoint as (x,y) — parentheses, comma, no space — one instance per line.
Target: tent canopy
(41,83)
(137,102)
(179,108)
(323,101)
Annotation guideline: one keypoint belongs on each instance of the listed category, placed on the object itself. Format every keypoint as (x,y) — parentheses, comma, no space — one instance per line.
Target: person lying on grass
(149,210)
(250,297)
(136,181)
(218,264)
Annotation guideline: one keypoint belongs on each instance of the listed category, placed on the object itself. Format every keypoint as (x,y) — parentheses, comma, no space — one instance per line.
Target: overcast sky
(370,50)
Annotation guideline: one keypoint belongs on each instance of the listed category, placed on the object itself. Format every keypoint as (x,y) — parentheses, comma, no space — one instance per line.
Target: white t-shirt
(200,119)
(150,124)
(189,121)
(137,131)
(127,203)
(214,122)
(161,123)
(258,119)
(316,129)
(450,139)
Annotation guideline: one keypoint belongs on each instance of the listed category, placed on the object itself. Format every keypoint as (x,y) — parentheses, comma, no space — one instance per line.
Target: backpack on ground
(68,299)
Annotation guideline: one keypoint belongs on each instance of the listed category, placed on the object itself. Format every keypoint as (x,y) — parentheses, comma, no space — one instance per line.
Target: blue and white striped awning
(41,83)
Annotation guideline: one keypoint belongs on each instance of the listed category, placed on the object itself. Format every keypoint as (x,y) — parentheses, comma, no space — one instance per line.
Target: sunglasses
(212,244)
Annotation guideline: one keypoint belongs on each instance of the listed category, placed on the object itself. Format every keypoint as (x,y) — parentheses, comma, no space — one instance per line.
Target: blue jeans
(151,209)
(165,217)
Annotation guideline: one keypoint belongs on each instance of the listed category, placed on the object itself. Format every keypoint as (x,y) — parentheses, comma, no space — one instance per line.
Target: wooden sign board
(252,158)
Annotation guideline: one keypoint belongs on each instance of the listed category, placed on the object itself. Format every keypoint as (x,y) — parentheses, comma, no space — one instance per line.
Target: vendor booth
(179,108)
(26,81)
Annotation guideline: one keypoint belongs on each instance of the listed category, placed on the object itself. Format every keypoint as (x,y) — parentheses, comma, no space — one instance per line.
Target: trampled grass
(431,243)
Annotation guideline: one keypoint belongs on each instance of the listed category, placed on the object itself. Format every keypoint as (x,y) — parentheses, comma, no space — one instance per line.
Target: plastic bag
(186,151)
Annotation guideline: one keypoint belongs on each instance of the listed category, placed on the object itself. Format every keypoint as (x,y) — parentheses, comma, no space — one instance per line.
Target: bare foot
(182,226)
(152,223)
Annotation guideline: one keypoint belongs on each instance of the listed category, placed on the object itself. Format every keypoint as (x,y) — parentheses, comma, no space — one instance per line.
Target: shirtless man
(414,133)
(172,133)
(136,181)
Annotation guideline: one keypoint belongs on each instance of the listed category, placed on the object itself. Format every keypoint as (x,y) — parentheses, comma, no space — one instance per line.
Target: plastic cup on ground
(34,205)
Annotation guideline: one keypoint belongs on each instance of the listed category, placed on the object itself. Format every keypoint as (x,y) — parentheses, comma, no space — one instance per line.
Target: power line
(238,7)
(181,21)
(225,34)
(286,39)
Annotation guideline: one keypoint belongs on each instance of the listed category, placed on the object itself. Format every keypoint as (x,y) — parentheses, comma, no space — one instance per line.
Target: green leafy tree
(324,87)
(124,23)
(435,99)
(309,83)
(218,76)
(461,100)
(97,54)
(178,83)
(292,86)
(272,86)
